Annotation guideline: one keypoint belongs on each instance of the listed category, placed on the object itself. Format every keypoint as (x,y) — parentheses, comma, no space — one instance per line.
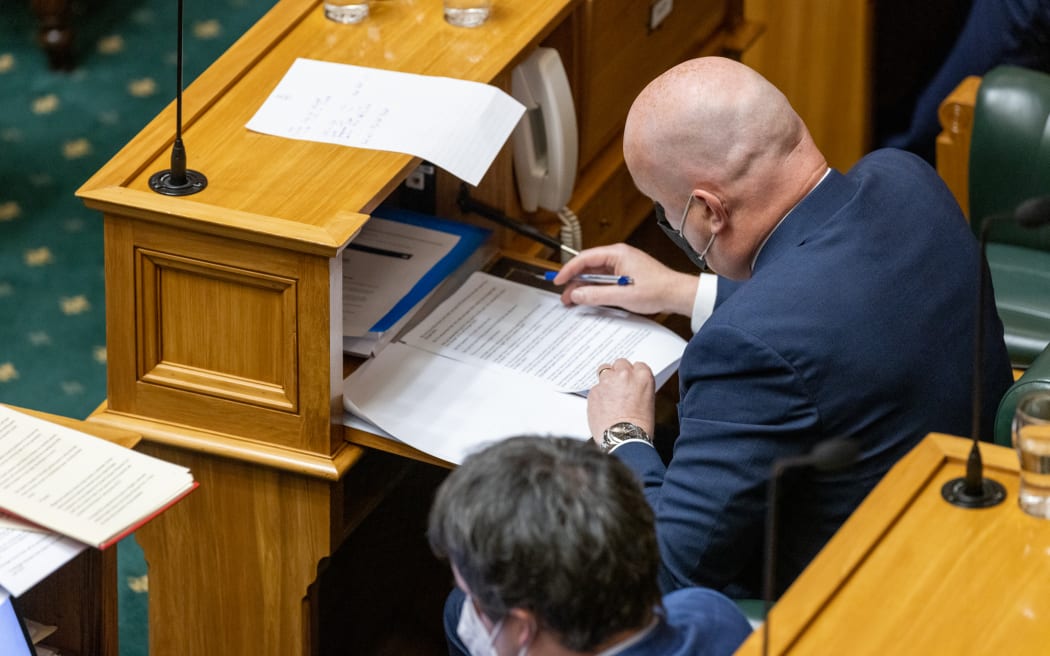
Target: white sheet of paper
(448,408)
(491,321)
(456,124)
(9,521)
(27,557)
(382,264)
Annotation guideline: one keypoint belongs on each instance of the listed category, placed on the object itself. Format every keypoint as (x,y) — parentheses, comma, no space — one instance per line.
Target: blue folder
(470,238)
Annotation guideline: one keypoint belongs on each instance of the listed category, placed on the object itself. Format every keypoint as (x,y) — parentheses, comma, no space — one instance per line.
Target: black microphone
(178,180)
(829,455)
(974,490)
(470,205)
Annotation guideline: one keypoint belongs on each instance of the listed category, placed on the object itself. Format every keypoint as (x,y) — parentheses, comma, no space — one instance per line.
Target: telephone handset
(545,141)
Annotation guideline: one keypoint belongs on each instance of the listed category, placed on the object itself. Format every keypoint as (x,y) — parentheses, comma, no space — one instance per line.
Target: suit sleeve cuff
(645,442)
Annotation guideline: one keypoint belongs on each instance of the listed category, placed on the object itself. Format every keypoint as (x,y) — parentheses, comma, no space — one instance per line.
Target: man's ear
(525,626)
(716,208)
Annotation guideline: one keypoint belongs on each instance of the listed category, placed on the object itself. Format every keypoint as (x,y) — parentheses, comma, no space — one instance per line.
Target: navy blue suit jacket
(857,321)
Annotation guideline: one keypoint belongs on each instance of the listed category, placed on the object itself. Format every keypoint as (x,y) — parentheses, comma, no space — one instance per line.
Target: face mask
(676,236)
(472,631)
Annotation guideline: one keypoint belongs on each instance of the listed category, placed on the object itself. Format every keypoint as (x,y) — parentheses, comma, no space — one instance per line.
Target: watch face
(623,431)
(627,431)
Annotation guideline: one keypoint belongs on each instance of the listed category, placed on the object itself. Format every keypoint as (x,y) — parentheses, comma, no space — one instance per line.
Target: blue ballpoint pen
(592,278)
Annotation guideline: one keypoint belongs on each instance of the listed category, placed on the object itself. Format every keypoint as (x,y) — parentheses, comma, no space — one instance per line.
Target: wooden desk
(910,574)
(80,598)
(225,341)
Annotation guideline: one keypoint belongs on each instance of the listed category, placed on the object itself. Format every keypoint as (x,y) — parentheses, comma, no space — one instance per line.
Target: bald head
(714,123)
(710,118)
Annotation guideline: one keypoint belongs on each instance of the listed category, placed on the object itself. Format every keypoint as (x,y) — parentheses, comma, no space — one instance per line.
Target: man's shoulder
(900,186)
(707,619)
(893,160)
(698,598)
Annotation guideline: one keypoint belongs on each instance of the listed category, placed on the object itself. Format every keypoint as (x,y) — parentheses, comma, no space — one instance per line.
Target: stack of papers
(498,359)
(393,266)
(62,490)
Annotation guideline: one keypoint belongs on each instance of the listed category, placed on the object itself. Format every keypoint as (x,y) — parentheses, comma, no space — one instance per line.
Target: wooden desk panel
(909,573)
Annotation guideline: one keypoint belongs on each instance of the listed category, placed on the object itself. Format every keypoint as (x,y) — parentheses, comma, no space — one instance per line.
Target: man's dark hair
(553,526)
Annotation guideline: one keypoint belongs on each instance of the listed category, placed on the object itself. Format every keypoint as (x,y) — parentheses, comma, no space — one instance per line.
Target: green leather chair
(1036,378)
(1010,162)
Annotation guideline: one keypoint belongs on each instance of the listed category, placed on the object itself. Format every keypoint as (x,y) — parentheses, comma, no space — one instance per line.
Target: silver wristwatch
(619,433)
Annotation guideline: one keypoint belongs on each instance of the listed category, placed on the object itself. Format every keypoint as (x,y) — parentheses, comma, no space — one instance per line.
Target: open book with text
(78,485)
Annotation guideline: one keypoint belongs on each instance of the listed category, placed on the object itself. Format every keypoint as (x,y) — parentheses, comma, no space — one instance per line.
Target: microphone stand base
(161,183)
(992,493)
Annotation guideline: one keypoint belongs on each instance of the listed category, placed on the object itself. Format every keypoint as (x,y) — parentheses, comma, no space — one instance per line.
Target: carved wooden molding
(216,330)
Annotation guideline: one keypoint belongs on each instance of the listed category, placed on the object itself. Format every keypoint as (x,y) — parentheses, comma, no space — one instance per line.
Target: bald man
(843,307)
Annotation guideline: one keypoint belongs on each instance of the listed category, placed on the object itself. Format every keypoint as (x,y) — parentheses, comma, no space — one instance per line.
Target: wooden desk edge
(851,545)
(201,94)
(324,240)
(125,438)
(328,467)
(379,443)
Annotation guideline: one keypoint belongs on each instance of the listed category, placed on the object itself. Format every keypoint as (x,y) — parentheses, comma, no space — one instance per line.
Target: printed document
(28,555)
(494,322)
(79,485)
(448,408)
(457,124)
(498,359)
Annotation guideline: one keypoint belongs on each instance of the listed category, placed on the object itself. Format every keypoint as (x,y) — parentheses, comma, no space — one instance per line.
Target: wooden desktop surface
(277,189)
(910,574)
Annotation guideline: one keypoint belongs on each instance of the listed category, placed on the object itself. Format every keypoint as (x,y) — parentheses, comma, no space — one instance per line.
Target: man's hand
(656,288)
(625,392)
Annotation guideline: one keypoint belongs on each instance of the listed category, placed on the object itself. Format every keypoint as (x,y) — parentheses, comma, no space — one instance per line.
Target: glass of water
(346,11)
(467,13)
(1031,435)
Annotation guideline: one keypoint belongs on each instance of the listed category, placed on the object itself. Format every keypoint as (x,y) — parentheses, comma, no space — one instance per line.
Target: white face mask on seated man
(472,632)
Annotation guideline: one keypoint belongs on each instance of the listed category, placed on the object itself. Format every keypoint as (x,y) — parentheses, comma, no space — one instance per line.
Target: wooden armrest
(953,143)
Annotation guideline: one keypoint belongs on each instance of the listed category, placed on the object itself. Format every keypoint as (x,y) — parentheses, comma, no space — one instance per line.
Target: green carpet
(56,129)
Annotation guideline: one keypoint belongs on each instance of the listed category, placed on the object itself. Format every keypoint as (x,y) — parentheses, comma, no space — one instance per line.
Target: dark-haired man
(554,553)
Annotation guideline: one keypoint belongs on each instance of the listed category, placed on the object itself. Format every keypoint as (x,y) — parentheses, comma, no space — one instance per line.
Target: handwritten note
(456,124)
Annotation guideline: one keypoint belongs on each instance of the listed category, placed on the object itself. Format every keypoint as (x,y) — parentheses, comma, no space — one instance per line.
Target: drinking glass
(346,11)
(1031,436)
(467,13)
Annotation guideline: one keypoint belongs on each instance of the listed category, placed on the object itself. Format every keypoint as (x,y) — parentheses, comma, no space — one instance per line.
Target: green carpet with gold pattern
(56,129)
